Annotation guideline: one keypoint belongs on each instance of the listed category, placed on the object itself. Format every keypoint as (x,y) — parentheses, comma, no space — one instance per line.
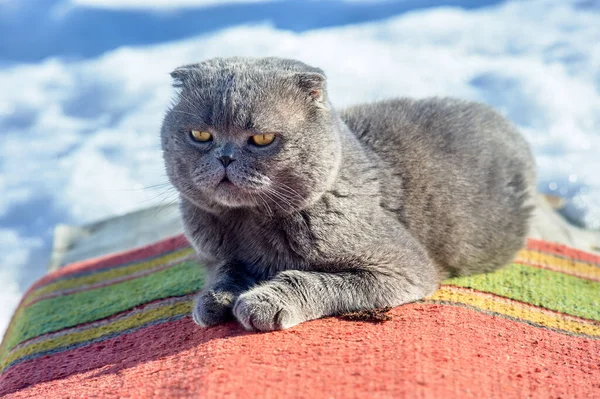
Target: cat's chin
(229,195)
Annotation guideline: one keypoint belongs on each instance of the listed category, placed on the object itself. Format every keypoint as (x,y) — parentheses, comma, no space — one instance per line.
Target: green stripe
(61,312)
(69,282)
(548,289)
(166,309)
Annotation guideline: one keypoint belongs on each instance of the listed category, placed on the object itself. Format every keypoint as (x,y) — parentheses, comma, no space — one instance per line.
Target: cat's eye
(262,139)
(200,136)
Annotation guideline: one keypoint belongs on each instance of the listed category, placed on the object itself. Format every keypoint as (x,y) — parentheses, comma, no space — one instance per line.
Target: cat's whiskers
(278,197)
(164,196)
(173,196)
(295,206)
(292,197)
(266,181)
(168,192)
(267,208)
(287,189)
(298,200)
(276,194)
(165,184)
(274,197)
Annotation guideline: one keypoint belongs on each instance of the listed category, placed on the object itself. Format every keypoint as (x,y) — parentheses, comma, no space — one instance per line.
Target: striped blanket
(119,326)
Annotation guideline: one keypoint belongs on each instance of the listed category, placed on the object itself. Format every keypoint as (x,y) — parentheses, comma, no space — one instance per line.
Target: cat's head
(251,133)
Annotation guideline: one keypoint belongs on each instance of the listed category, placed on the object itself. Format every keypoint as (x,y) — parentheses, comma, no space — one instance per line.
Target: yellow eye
(262,139)
(201,136)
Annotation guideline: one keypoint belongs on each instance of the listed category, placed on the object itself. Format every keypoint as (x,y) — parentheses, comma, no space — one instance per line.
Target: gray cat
(300,212)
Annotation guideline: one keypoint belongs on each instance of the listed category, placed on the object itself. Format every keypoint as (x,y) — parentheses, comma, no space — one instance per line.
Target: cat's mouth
(232,195)
(226,182)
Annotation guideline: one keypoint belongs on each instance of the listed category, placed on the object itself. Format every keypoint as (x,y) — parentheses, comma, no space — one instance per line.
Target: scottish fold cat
(299,211)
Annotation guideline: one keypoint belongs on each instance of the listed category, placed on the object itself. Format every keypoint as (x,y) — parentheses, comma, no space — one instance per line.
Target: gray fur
(366,208)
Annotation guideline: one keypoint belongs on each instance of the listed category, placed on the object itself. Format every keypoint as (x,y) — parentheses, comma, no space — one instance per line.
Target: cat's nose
(226,159)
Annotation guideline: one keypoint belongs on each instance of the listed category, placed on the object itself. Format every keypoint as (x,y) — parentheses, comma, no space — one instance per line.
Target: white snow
(15,253)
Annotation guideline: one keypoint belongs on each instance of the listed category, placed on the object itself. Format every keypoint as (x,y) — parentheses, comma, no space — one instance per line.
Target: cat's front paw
(212,308)
(262,309)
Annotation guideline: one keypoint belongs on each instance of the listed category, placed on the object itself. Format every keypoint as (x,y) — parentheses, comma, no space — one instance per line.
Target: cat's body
(457,177)
(369,208)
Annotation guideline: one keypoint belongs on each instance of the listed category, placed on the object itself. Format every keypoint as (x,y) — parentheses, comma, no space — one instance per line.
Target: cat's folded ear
(313,84)
(184,75)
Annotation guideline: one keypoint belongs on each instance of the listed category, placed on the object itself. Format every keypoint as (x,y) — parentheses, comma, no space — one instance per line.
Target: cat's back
(437,126)
(459,176)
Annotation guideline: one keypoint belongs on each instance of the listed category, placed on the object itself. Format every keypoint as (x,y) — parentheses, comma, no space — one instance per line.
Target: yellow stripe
(117,325)
(108,274)
(558,264)
(517,310)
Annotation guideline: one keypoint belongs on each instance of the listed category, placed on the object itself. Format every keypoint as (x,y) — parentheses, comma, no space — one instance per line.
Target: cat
(299,212)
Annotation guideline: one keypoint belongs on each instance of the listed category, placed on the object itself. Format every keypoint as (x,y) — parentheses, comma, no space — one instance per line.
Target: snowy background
(84,85)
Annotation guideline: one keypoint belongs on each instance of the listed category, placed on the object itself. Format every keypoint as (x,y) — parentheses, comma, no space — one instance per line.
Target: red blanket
(120,327)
